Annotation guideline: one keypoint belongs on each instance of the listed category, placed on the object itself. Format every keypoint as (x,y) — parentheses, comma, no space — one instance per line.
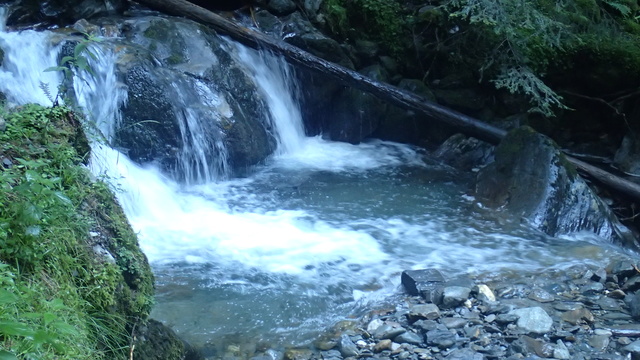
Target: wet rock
(374,325)
(609,304)
(60,12)
(347,346)
(382,345)
(465,153)
(633,284)
(622,269)
(592,288)
(423,311)
(454,323)
(617,294)
(440,338)
(633,348)
(388,331)
(281,7)
(578,316)
(568,306)
(422,282)
(599,342)
(599,275)
(409,338)
(560,351)
(331,355)
(630,330)
(464,354)
(425,325)
(154,341)
(533,320)
(633,301)
(530,178)
(453,296)
(537,346)
(484,293)
(504,319)
(540,295)
(298,354)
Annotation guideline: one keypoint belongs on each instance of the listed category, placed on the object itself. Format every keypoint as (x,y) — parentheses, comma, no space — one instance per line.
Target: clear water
(319,233)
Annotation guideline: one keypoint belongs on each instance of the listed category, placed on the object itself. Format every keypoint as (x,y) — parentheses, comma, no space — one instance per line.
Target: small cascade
(27,54)
(275,79)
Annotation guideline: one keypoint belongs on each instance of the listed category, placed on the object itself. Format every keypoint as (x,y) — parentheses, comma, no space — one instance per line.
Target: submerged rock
(531,178)
(59,12)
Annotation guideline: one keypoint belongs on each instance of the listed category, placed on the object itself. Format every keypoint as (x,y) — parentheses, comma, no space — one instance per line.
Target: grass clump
(72,280)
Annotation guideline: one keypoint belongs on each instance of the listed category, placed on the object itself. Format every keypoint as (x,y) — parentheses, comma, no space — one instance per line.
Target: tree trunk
(463,123)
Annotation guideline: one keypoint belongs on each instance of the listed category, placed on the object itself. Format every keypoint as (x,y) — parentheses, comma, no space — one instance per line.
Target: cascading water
(309,238)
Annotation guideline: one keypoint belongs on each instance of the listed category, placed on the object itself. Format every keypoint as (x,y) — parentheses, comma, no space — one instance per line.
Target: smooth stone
(374,325)
(331,355)
(504,319)
(423,311)
(387,331)
(540,295)
(568,306)
(454,296)
(409,338)
(633,348)
(473,332)
(633,301)
(578,316)
(617,294)
(347,346)
(425,325)
(599,342)
(560,351)
(440,338)
(454,323)
(490,318)
(382,345)
(592,288)
(464,354)
(533,320)
(609,304)
(485,293)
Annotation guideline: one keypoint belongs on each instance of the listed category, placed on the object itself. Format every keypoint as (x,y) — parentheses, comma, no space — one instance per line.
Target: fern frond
(623,9)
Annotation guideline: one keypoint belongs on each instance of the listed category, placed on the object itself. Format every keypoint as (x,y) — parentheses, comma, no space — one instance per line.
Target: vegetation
(72,280)
(526,47)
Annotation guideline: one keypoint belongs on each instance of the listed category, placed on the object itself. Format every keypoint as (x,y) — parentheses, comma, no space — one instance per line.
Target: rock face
(59,12)
(531,178)
(192,106)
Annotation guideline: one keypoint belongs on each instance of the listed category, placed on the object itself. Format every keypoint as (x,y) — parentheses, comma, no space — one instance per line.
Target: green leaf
(7,297)
(55,68)
(64,328)
(65,200)
(80,48)
(49,318)
(67,60)
(13,328)
(5,355)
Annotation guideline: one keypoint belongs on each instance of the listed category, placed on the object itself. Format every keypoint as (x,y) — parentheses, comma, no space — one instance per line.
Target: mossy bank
(74,283)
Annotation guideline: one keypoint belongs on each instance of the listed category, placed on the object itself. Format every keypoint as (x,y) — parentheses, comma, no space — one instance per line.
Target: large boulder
(59,12)
(193,106)
(532,179)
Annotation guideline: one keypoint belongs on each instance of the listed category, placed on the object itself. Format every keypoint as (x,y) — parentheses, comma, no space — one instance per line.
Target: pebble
(454,323)
(454,296)
(533,320)
(560,351)
(388,331)
(424,311)
(578,316)
(374,325)
(382,345)
(541,295)
(485,294)
(440,338)
(409,338)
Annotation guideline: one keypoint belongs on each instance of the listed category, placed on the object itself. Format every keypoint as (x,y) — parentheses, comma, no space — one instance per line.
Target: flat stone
(440,338)
(453,323)
(382,345)
(617,294)
(633,348)
(414,281)
(331,355)
(504,319)
(592,288)
(568,306)
(630,330)
(425,325)
(387,331)
(297,354)
(578,316)
(609,304)
(347,346)
(464,354)
(423,311)
(599,342)
(533,320)
(454,296)
(540,295)
(409,338)
(633,301)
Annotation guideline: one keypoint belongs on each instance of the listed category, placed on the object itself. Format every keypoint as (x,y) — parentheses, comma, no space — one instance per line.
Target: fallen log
(463,123)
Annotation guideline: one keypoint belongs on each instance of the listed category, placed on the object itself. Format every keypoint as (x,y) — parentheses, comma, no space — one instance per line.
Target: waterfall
(27,54)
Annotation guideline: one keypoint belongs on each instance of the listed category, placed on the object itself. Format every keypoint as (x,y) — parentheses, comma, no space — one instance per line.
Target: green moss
(53,222)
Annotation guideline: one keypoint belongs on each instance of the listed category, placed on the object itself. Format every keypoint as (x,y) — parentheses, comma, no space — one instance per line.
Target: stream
(318,233)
